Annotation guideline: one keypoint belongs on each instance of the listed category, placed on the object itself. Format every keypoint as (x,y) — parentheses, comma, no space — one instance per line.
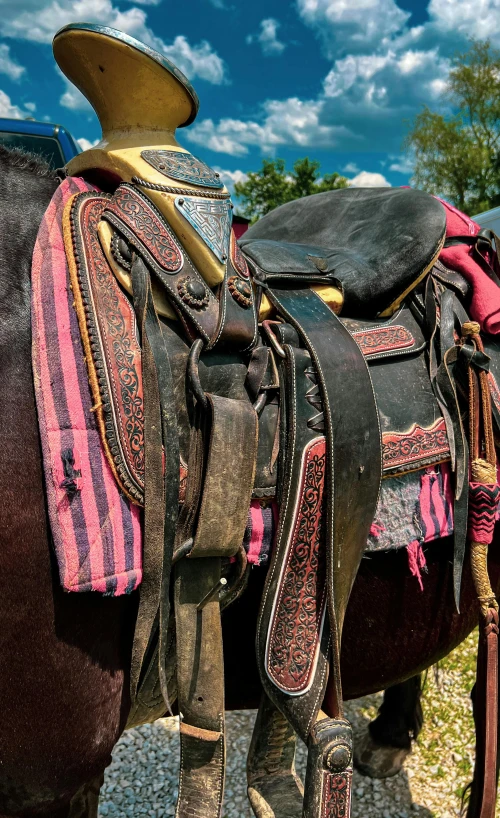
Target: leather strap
(161,485)
(228,483)
(353,469)
(354,453)
(200,681)
(486,718)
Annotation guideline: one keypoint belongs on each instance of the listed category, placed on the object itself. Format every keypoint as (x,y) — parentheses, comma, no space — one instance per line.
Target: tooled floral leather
(238,259)
(296,625)
(143,221)
(383,339)
(336,795)
(415,447)
(116,353)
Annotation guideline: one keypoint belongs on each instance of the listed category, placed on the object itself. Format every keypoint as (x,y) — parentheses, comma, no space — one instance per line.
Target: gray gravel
(142,780)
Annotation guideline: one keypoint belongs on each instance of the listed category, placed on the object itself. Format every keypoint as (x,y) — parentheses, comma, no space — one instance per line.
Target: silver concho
(212,221)
(183,166)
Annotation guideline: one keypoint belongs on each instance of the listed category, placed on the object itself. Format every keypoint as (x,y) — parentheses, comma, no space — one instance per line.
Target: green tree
(272,185)
(459,156)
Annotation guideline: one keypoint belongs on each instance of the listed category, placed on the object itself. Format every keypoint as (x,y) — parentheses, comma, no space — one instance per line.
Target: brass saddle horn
(141,98)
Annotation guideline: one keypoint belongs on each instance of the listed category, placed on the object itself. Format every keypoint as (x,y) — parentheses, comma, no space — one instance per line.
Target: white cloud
(401,164)
(367,179)
(355,23)
(351,167)
(8,65)
(473,18)
(231,177)
(39,23)
(86,144)
(11,111)
(73,98)
(267,37)
(284,122)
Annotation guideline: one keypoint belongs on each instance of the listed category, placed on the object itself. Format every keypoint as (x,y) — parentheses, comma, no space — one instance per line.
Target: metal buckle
(193,374)
(266,325)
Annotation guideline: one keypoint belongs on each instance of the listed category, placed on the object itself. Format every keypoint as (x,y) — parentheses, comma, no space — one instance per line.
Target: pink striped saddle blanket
(96,519)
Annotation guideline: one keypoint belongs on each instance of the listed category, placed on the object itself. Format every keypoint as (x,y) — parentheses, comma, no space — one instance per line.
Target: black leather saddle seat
(375,244)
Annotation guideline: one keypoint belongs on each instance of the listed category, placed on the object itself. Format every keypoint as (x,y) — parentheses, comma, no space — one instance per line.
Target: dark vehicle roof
(52,141)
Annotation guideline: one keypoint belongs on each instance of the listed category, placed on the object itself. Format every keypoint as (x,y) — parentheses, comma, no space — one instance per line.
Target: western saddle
(252,386)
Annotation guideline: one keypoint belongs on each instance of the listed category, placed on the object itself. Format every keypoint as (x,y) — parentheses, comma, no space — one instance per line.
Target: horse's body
(65,657)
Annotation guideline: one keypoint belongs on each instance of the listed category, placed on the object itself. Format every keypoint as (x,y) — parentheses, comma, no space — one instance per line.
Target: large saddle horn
(141,98)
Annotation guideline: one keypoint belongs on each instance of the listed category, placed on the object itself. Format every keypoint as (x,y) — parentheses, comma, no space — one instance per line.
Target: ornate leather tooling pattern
(383,339)
(238,259)
(297,620)
(116,353)
(211,220)
(415,448)
(337,795)
(141,219)
(183,166)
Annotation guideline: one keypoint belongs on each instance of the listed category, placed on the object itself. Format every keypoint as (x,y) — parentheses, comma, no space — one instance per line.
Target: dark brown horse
(65,657)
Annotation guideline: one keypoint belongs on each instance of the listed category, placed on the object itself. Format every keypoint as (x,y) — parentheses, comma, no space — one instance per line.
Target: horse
(65,669)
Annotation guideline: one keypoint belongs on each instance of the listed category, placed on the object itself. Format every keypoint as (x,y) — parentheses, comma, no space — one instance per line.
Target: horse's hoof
(377,760)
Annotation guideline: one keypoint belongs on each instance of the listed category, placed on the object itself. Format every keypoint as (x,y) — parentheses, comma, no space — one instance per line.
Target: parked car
(53,142)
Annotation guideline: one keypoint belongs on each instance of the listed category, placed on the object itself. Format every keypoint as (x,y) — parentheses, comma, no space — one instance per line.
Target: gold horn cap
(134,90)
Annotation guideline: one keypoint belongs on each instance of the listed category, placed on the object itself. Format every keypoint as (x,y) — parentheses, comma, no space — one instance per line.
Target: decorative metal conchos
(183,166)
(241,291)
(212,221)
(193,292)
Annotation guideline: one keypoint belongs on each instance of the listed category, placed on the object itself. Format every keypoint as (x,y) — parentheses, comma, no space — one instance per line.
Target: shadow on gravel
(142,779)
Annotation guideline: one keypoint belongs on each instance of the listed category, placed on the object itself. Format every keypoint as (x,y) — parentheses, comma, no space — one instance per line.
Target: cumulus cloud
(29,20)
(284,122)
(367,179)
(351,167)
(480,19)
(267,37)
(86,144)
(231,177)
(401,164)
(357,24)
(11,111)
(9,66)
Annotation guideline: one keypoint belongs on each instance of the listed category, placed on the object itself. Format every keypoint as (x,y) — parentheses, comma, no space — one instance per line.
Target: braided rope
(479,567)
(180,191)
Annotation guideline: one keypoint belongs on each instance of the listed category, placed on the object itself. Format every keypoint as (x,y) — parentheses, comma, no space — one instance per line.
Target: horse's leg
(274,788)
(387,743)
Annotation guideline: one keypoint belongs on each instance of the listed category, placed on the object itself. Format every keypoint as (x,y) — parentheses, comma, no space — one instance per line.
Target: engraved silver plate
(183,166)
(212,221)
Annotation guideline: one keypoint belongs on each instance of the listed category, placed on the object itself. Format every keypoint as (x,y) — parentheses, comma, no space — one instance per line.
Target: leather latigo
(295,629)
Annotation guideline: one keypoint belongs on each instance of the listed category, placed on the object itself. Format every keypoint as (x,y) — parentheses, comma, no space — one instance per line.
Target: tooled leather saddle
(203,413)
(202,406)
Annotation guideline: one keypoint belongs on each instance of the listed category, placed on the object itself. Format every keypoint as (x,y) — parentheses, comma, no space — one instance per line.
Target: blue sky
(335,80)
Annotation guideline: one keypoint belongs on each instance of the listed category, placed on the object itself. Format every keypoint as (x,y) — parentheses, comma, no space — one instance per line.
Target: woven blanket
(96,530)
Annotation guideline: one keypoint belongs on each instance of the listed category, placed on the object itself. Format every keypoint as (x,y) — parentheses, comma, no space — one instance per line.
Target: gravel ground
(142,780)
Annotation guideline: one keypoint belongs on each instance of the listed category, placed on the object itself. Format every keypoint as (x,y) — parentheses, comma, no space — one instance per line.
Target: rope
(479,567)
(179,191)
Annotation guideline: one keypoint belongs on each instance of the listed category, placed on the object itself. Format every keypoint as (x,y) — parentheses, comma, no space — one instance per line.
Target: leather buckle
(193,374)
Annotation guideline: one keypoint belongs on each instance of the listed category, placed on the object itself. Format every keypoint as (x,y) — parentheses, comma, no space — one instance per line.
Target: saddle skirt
(92,437)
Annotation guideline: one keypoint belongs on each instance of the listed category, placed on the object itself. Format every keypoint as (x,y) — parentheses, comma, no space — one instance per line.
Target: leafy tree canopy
(273,185)
(459,156)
